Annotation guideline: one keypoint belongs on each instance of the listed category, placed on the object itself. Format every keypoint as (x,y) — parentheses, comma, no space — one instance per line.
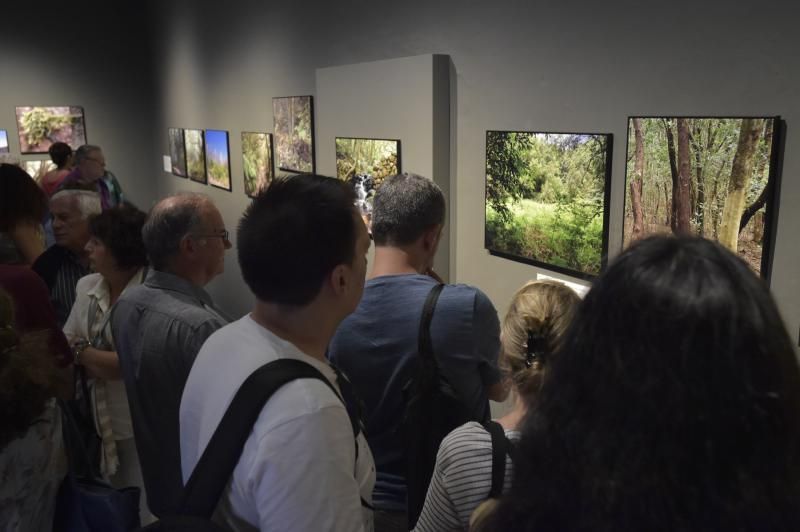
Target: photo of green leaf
(40,127)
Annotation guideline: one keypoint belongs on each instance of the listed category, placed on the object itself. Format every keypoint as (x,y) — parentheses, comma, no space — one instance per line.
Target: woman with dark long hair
(673,405)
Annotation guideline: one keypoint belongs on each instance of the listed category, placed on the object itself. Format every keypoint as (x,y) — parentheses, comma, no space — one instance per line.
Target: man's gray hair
(87,201)
(405,206)
(83,152)
(168,222)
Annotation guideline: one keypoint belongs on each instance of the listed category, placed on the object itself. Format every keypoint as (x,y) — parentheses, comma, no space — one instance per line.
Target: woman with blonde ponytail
(462,480)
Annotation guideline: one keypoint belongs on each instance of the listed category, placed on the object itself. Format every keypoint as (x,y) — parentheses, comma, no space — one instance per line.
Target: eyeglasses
(98,161)
(224,234)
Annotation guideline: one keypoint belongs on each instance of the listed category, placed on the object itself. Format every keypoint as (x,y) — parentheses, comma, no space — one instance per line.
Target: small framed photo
(294,133)
(257,162)
(177,152)
(40,127)
(195,155)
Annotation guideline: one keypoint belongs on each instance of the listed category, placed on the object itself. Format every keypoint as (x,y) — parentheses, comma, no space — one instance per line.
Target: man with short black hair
(158,329)
(377,345)
(302,250)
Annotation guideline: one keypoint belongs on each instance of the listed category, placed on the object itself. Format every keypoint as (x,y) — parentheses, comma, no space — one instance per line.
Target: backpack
(433,410)
(207,482)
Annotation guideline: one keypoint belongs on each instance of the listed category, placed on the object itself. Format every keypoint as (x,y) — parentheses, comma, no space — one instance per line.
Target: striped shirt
(62,293)
(461,479)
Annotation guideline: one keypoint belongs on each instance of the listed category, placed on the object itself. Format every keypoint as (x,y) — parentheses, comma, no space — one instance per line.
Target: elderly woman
(462,478)
(117,255)
(22,208)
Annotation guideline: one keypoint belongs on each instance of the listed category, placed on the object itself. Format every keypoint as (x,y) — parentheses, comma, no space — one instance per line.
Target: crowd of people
(355,397)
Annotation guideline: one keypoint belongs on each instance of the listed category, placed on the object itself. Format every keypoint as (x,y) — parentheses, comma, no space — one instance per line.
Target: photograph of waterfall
(547,199)
(256,162)
(365,163)
(195,155)
(3,141)
(218,163)
(177,152)
(293,118)
(39,127)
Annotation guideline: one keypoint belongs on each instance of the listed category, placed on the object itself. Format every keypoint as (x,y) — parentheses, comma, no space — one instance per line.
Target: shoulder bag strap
(425,346)
(500,448)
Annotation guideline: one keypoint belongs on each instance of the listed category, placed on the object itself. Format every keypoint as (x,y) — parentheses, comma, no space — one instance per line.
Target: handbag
(85,502)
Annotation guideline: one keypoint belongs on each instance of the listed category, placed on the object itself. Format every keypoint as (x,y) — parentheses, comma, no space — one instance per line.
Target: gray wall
(546,65)
(94,55)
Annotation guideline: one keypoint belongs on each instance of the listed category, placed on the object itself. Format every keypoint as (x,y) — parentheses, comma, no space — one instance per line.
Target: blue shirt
(374,348)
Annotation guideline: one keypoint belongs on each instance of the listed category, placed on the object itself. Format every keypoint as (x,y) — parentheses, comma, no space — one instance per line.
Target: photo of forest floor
(218,167)
(545,198)
(257,161)
(365,163)
(40,127)
(702,176)
(195,155)
(294,132)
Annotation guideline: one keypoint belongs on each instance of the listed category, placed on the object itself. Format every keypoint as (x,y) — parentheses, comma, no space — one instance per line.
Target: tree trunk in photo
(636,182)
(673,169)
(762,165)
(699,177)
(682,205)
(741,171)
(667,206)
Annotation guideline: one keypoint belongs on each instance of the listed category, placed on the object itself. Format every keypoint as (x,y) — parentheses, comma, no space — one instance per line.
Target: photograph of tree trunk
(177,151)
(195,154)
(711,177)
(293,118)
(547,199)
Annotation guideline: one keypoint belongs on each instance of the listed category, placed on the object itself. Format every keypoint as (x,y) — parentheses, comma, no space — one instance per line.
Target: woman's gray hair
(168,222)
(87,201)
(83,152)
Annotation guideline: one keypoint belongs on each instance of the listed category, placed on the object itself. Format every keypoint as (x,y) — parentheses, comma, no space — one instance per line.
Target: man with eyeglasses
(159,327)
(90,173)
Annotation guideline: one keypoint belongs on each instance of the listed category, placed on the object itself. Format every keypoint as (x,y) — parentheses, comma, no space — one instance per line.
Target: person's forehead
(64,203)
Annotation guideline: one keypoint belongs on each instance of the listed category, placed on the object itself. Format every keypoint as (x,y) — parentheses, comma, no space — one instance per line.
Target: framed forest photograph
(256,162)
(3,141)
(218,161)
(195,155)
(294,133)
(40,127)
(713,177)
(365,163)
(177,152)
(547,199)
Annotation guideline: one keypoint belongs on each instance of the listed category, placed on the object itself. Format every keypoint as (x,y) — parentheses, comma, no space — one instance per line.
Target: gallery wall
(88,54)
(546,66)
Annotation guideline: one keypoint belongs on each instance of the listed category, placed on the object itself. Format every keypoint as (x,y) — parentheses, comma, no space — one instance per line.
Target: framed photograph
(3,141)
(365,163)
(218,161)
(713,177)
(40,127)
(256,162)
(547,199)
(177,152)
(294,133)
(38,168)
(195,154)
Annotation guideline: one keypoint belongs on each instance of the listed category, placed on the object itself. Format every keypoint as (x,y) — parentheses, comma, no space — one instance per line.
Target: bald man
(160,326)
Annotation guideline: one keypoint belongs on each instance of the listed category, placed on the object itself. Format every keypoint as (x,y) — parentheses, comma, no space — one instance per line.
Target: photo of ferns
(257,162)
(40,127)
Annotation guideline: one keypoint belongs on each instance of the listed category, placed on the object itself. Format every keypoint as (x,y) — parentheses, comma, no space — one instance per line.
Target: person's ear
(187,245)
(430,238)
(339,279)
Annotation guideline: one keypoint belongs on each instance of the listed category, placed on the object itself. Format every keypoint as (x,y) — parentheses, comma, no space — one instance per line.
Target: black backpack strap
(216,465)
(425,346)
(500,448)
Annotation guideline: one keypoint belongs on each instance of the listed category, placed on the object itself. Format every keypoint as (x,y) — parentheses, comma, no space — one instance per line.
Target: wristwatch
(77,350)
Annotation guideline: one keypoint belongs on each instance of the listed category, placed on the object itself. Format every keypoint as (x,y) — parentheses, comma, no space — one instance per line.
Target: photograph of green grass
(195,154)
(704,176)
(257,162)
(364,164)
(294,133)
(218,162)
(40,127)
(177,152)
(547,199)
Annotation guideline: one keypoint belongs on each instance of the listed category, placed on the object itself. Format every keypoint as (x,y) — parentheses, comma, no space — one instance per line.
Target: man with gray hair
(159,327)
(377,345)
(90,173)
(67,260)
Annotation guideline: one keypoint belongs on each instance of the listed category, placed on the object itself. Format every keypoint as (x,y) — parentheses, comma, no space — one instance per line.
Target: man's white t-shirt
(298,470)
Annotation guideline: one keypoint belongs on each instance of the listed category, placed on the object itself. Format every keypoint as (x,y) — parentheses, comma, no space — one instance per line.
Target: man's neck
(306,327)
(391,260)
(188,273)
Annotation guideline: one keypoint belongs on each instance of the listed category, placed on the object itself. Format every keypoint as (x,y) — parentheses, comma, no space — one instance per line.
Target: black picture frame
(211,163)
(72,133)
(495,250)
(252,192)
(198,172)
(286,152)
(177,152)
(771,190)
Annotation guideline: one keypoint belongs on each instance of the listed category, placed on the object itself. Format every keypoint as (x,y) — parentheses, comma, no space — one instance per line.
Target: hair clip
(535,349)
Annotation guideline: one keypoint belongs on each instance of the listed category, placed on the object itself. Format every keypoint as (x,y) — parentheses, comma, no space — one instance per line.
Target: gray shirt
(159,327)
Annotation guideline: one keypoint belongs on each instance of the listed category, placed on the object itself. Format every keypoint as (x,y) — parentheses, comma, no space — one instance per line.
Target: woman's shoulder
(470,439)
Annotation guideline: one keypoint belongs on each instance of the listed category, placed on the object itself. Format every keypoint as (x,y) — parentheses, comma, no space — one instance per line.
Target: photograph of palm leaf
(710,177)
(365,163)
(294,133)
(257,162)
(39,127)
(177,151)
(547,199)
(195,155)
(3,141)
(218,162)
